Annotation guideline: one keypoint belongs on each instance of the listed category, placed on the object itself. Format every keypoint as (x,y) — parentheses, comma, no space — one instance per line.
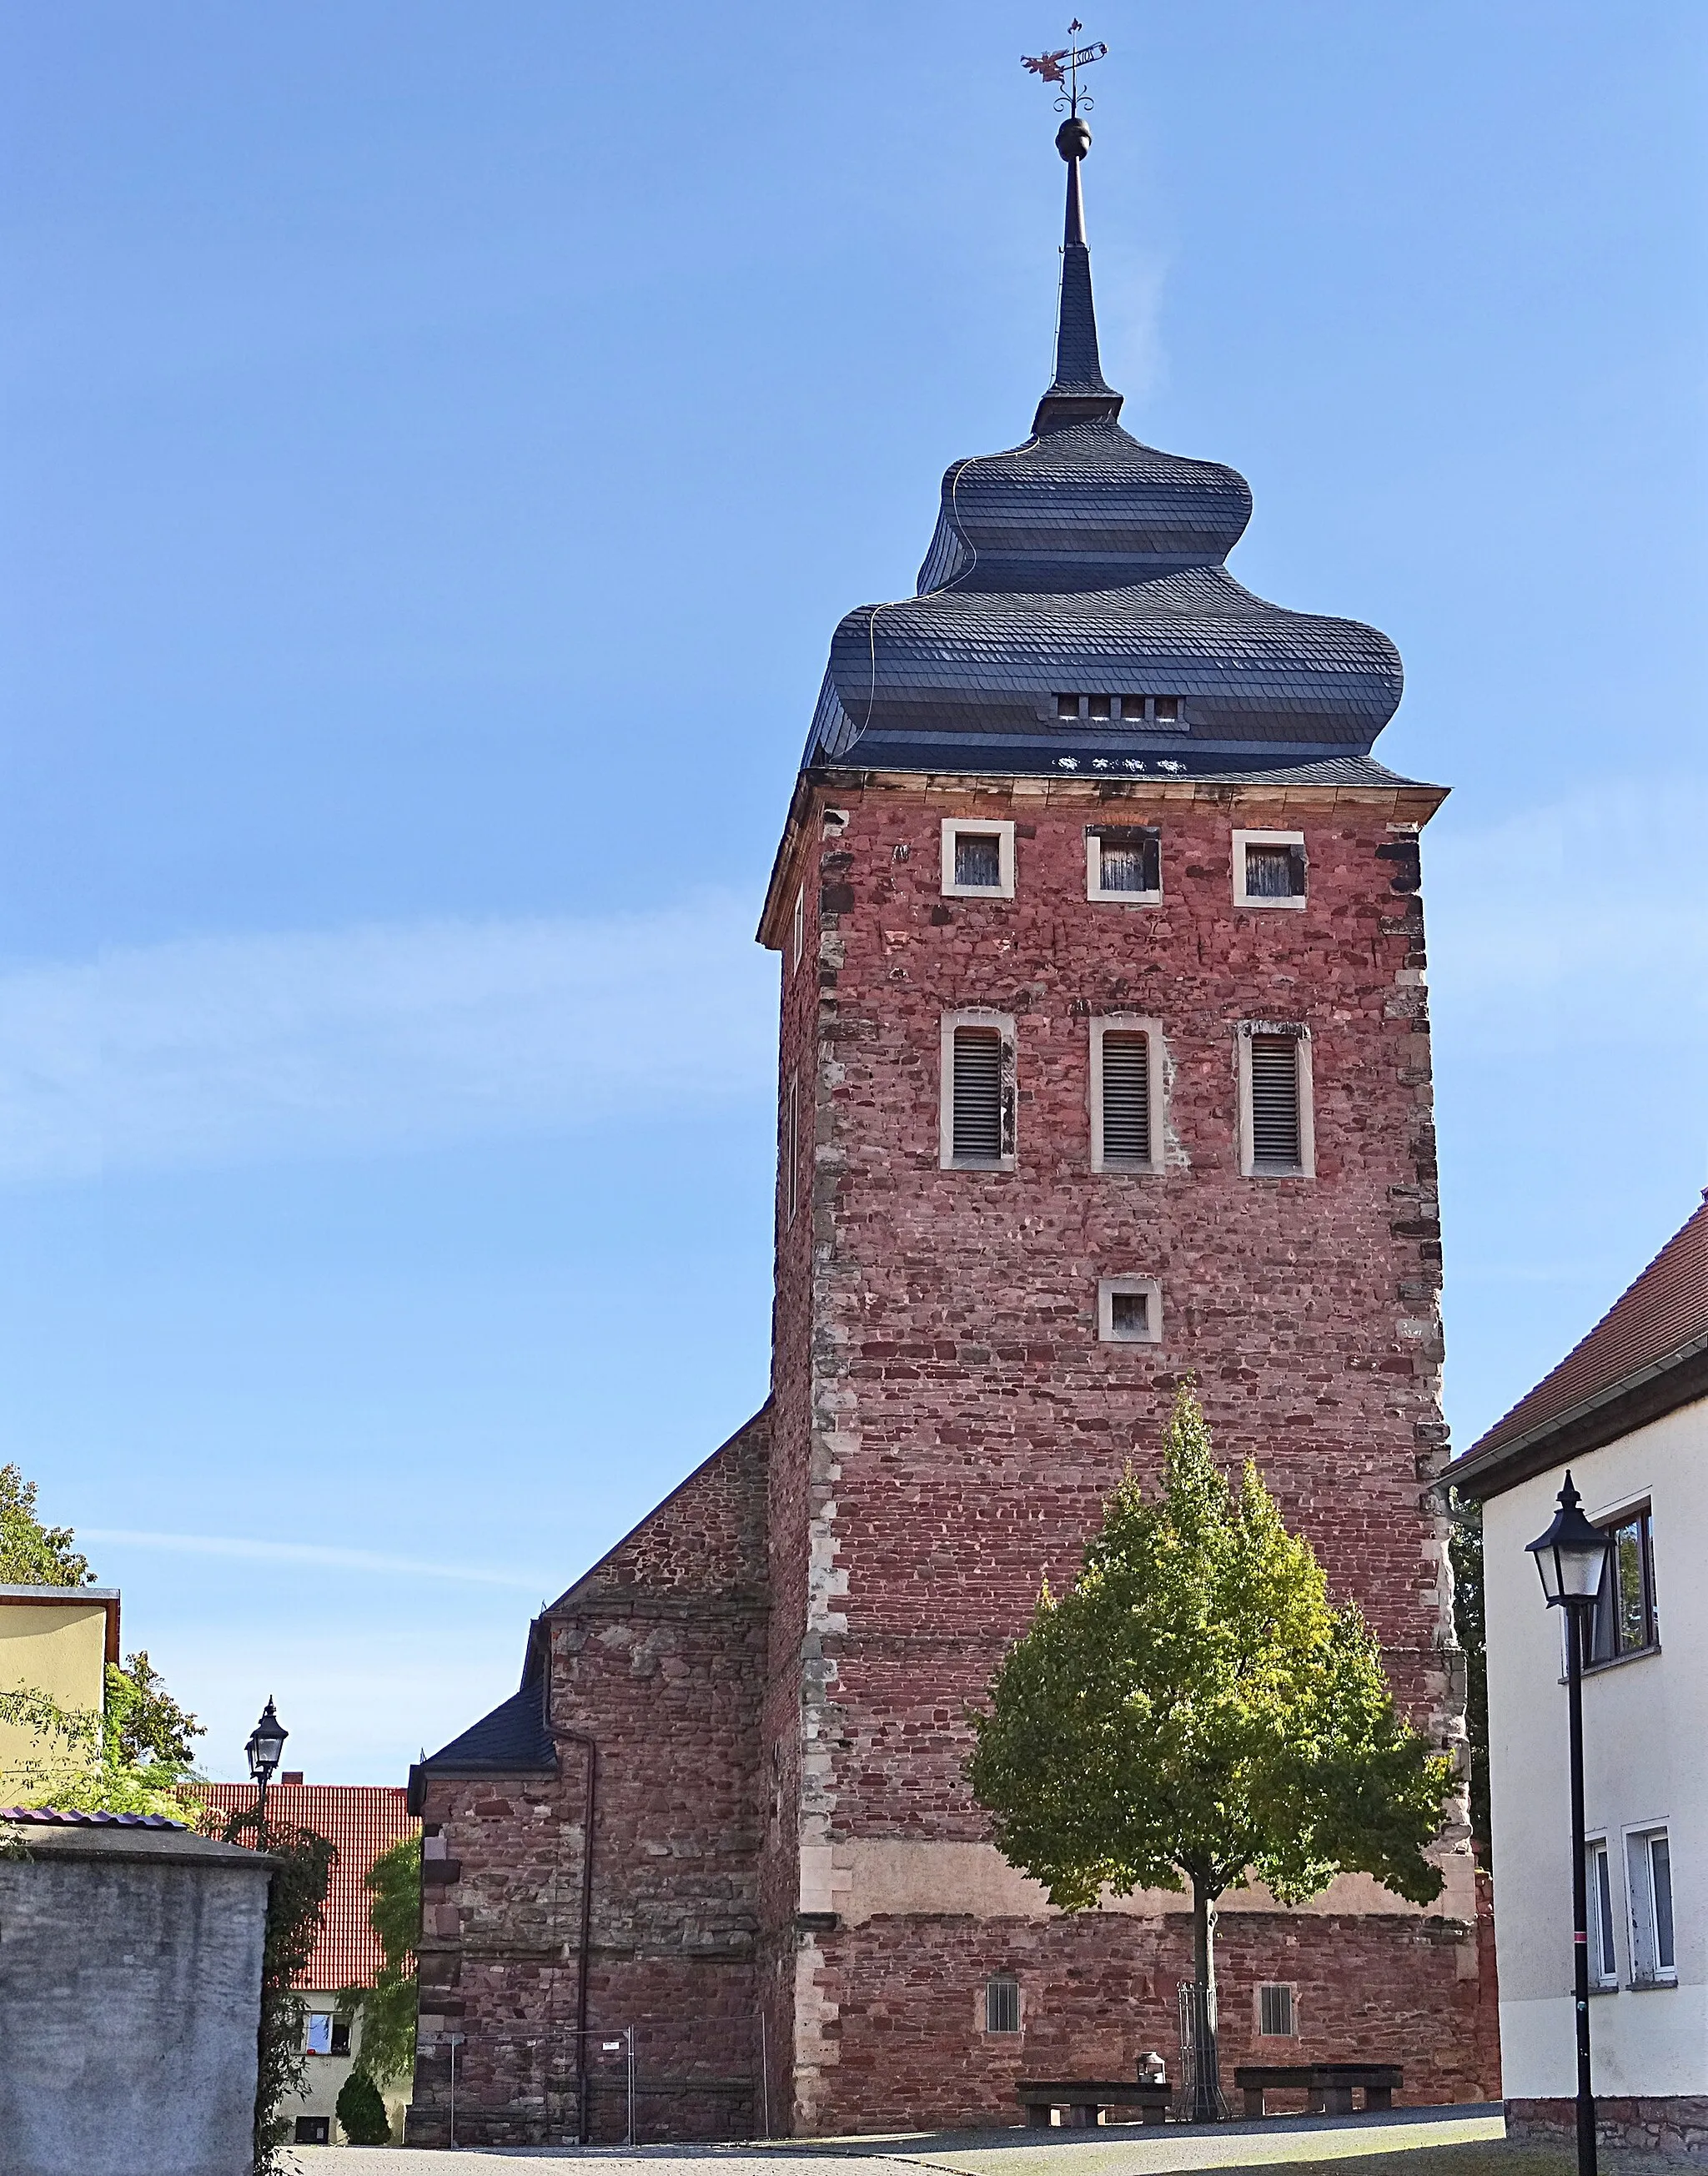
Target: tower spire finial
(1077,394)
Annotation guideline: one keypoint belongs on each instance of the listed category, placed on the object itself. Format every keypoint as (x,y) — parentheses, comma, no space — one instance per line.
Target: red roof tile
(362,1821)
(1664,1312)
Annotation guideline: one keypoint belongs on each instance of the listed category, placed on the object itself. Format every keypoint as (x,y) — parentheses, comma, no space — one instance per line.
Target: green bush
(361,2112)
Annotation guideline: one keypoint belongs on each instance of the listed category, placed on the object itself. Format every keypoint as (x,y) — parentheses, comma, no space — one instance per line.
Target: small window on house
(1649,1890)
(317,2027)
(1167,710)
(1068,709)
(1097,706)
(1123,863)
(1129,1311)
(1276,1131)
(978,860)
(1001,2003)
(792,1149)
(977,1095)
(1275,2012)
(340,2035)
(1625,1620)
(800,929)
(1269,868)
(313,2130)
(1604,1968)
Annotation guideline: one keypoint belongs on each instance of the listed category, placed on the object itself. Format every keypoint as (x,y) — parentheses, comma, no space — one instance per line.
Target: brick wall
(948,1426)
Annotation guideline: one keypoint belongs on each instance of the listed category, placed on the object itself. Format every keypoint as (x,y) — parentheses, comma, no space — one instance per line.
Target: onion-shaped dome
(1073,610)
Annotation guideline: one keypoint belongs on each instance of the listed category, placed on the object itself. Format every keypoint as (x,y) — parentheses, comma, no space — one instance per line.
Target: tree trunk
(1206,2097)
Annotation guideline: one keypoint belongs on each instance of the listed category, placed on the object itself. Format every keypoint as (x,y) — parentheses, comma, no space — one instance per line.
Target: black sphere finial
(1073,137)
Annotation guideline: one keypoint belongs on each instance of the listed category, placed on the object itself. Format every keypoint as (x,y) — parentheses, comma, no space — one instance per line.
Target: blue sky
(440,441)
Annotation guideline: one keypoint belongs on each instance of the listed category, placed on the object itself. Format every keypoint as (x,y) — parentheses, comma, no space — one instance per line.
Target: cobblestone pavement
(1124,2150)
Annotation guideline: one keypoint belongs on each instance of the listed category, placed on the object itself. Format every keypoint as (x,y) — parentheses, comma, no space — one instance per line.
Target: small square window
(1274,2012)
(313,2130)
(1124,863)
(1269,868)
(1068,711)
(1129,1311)
(1097,706)
(1167,710)
(1001,2003)
(978,860)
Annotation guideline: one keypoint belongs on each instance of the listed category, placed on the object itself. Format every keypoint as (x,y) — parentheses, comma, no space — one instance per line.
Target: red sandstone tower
(1104,1063)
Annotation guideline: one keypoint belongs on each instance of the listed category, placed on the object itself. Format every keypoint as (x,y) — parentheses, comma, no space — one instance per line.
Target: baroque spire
(1078,393)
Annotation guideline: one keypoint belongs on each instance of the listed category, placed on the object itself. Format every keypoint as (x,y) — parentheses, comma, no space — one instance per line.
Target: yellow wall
(55,1647)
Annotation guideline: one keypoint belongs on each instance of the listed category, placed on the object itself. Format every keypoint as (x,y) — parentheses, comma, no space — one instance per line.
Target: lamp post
(1572,1558)
(266,1746)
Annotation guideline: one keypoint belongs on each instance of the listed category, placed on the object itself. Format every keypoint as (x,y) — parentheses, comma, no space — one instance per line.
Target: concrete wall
(130,1989)
(1645,1764)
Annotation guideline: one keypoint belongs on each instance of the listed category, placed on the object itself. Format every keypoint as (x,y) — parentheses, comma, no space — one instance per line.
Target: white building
(1626,1411)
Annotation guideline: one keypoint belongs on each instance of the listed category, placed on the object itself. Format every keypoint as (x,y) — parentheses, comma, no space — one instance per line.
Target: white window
(1277,1128)
(1127,1093)
(792,1149)
(1649,1893)
(799,928)
(1269,868)
(319,2031)
(1274,2012)
(1001,2003)
(1129,1311)
(978,859)
(1123,863)
(1604,1965)
(976,1120)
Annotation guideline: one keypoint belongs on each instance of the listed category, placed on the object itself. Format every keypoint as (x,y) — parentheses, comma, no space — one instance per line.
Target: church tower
(1104,1067)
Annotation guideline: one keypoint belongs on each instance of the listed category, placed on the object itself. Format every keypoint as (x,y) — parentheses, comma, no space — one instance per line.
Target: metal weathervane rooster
(1063,69)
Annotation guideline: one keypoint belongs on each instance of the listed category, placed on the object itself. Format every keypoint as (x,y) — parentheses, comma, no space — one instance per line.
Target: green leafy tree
(32,1554)
(1465,1554)
(386,2010)
(360,2111)
(142,1725)
(133,1758)
(1194,1711)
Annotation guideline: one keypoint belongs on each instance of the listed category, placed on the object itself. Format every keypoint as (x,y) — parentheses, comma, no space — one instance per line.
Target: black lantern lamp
(266,1748)
(1572,1558)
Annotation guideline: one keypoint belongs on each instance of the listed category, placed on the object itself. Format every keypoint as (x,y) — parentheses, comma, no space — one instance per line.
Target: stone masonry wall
(949,1426)
(658,1655)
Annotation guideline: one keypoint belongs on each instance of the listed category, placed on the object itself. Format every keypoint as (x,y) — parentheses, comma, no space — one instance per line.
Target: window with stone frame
(1001,2003)
(978,857)
(1269,868)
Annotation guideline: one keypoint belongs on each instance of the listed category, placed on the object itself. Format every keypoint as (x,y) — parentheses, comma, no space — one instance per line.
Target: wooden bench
(1328,2087)
(1085,2099)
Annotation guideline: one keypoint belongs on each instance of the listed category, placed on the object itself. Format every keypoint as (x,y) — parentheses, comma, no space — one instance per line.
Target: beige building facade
(56,1641)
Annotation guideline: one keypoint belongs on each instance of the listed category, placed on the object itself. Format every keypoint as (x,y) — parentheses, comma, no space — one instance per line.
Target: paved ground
(1123,2149)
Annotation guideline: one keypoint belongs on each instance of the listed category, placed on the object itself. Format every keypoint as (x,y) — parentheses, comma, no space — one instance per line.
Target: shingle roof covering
(1657,1327)
(512,1740)
(55,1817)
(363,1820)
(1084,563)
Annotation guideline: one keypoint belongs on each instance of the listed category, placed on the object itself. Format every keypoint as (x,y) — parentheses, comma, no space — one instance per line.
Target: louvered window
(978,1094)
(1275,1145)
(1126,1107)
(1002,2004)
(1274,2012)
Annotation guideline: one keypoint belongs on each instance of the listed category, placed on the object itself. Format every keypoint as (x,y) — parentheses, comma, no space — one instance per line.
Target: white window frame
(1306,1165)
(975,1016)
(1000,828)
(1108,1287)
(1130,1024)
(799,930)
(1603,1933)
(1293,1994)
(1640,1905)
(1242,839)
(1094,868)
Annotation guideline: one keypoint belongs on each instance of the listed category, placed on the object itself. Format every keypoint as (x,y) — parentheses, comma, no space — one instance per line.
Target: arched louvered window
(1127,1058)
(977,1125)
(1275,1128)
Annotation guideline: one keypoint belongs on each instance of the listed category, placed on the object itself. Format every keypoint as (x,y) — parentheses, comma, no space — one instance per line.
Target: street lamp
(264,1748)
(1572,1560)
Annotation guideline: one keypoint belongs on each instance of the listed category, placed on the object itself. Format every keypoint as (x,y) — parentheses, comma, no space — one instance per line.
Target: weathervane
(1063,68)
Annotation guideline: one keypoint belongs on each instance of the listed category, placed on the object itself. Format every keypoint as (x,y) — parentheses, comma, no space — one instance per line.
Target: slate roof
(1647,1355)
(58,1816)
(1084,562)
(363,1820)
(512,1740)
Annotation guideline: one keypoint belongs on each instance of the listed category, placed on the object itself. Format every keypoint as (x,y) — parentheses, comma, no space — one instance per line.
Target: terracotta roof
(1652,1337)
(363,1820)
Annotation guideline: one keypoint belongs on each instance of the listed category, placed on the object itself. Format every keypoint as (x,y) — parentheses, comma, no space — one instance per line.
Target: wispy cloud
(309,1554)
(215,1050)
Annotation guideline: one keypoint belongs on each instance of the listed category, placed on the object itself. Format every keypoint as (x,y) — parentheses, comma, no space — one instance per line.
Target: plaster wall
(54,1647)
(130,1989)
(1645,1764)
